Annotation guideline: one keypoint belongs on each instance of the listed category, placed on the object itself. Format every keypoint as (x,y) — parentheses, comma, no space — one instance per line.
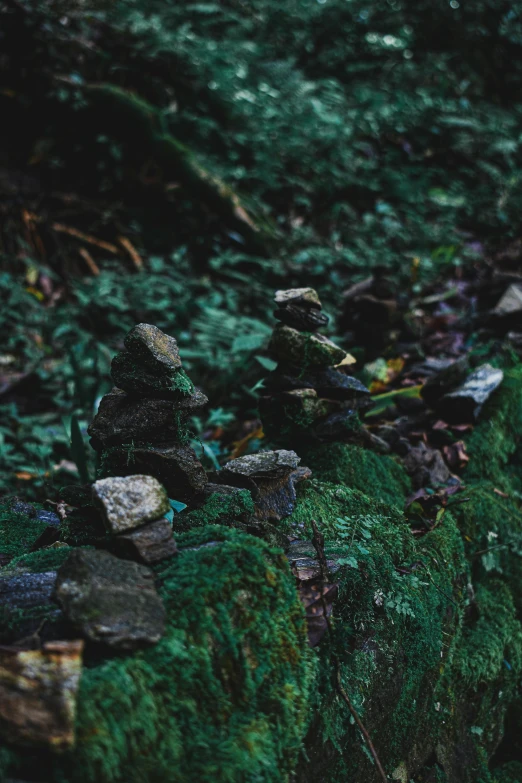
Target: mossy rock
(222,696)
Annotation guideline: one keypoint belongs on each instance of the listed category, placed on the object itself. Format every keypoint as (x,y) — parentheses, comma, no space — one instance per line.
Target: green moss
(233,510)
(18,532)
(42,560)
(223,696)
(380,476)
(509,773)
(496,439)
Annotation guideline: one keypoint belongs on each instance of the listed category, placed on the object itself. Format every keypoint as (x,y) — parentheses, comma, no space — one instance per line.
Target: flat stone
(265,464)
(153,348)
(305,297)
(304,405)
(148,544)
(306,350)
(130,501)
(177,467)
(329,382)
(307,319)
(336,385)
(271,478)
(110,601)
(465,403)
(38,691)
(124,419)
(138,379)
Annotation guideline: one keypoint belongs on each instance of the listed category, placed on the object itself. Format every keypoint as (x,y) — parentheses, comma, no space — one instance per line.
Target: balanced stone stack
(133,509)
(310,395)
(108,599)
(142,424)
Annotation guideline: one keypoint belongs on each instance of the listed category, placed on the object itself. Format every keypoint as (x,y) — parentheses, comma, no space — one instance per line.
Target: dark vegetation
(355,134)
(174,164)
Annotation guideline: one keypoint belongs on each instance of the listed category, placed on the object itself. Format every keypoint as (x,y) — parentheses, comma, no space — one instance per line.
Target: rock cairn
(310,395)
(270,477)
(141,425)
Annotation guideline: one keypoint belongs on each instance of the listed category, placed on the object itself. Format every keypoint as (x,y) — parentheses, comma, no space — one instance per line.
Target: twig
(89,260)
(318,542)
(73,232)
(491,548)
(131,250)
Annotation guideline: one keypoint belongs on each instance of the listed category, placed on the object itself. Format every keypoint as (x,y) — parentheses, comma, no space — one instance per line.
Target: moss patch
(379,476)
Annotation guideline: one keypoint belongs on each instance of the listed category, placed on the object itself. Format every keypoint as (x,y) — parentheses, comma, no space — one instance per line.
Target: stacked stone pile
(310,394)
(142,424)
(271,478)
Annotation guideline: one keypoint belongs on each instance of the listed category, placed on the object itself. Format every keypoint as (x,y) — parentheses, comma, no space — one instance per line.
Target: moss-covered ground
(426,632)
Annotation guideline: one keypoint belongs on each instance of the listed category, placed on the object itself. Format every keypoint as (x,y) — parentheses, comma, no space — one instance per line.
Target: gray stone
(329,382)
(265,464)
(465,403)
(128,502)
(305,297)
(124,419)
(148,544)
(304,350)
(175,466)
(110,601)
(153,348)
(138,379)
(271,478)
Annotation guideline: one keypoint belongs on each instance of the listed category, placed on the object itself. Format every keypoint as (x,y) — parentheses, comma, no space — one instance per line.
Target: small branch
(318,542)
